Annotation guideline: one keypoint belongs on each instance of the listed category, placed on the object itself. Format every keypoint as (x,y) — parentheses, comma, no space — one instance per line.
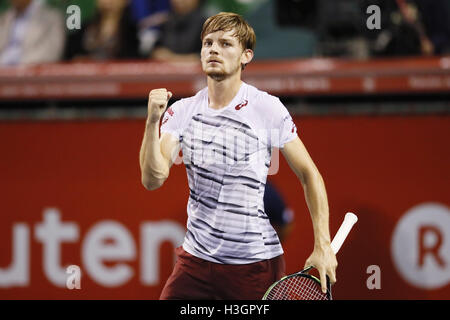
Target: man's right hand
(157,103)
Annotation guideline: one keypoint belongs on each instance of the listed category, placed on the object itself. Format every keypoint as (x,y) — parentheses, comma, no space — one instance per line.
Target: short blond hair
(227,21)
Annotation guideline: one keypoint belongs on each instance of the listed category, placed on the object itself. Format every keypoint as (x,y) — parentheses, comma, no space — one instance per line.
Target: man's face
(222,54)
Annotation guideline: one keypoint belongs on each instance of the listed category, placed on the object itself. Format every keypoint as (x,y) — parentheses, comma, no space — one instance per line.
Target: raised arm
(156,154)
(322,257)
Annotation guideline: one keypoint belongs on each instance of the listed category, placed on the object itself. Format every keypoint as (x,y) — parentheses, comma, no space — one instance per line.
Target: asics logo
(241,105)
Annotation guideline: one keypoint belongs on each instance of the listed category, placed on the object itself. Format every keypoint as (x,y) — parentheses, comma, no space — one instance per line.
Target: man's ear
(247,56)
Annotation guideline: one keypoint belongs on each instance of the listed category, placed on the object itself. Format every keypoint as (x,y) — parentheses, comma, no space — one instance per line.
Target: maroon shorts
(197,279)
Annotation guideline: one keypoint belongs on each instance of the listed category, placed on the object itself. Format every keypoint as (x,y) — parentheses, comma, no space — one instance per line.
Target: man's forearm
(317,201)
(154,167)
(313,185)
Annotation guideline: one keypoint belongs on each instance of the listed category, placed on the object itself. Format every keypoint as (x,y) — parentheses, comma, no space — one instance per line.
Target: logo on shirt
(241,105)
(293,126)
(166,117)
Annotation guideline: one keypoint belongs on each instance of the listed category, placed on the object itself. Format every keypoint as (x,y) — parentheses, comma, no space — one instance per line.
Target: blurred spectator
(150,15)
(280,216)
(180,35)
(111,34)
(414,27)
(435,17)
(397,37)
(412,17)
(31,32)
(340,29)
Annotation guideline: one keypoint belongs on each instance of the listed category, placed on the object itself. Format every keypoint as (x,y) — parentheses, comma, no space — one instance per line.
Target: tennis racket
(304,286)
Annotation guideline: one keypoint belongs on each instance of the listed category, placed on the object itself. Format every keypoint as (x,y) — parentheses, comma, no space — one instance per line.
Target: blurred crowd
(35,31)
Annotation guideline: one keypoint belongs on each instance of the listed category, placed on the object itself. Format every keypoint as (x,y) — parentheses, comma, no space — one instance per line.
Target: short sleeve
(171,120)
(283,125)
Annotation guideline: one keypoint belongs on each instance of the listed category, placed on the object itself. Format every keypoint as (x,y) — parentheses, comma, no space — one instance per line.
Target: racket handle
(349,220)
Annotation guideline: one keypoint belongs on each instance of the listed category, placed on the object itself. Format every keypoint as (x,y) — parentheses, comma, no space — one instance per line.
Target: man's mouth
(214,61)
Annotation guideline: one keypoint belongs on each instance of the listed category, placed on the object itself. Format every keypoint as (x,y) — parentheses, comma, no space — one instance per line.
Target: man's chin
(216,75)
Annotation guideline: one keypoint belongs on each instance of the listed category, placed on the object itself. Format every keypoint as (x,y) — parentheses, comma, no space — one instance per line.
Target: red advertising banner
(71,196)
(317,76)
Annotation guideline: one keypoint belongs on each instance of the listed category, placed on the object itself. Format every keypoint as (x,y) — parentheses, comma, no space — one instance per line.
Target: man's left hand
(324,260)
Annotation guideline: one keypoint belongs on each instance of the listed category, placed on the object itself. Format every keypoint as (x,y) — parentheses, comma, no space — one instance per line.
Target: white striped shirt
(227,155)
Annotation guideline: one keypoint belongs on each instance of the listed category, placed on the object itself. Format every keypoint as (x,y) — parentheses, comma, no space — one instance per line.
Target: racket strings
(297,288)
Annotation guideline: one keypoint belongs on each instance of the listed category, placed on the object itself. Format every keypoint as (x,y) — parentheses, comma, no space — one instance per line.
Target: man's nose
(214,48)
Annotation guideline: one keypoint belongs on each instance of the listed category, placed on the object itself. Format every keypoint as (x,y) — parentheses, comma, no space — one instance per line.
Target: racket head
(298,286)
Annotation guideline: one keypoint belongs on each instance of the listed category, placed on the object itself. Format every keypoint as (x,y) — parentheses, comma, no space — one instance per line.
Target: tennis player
(226,133)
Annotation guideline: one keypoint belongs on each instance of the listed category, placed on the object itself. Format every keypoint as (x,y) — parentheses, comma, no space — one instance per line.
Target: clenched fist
(157,103)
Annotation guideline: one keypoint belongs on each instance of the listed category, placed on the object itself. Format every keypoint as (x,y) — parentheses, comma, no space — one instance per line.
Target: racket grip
(349,220)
